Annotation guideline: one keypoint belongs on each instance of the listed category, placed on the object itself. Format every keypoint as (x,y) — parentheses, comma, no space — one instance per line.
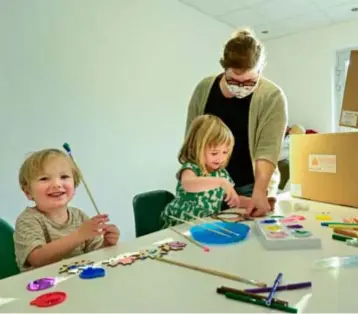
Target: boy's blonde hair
(205,131)
(35,163)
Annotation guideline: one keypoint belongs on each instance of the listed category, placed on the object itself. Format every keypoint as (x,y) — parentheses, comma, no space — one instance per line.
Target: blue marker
(274,288)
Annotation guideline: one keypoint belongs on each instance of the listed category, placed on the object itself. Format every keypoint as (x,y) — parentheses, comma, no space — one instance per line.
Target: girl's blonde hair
(206,131)
(34,165)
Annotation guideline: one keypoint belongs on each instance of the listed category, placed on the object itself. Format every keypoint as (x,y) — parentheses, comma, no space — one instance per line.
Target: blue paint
(211,238)
(268,221)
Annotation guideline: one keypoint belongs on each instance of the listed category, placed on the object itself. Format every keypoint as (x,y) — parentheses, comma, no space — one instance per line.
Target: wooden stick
(86,186)
(213,272)
(193,224)
(222,228)
(206,249)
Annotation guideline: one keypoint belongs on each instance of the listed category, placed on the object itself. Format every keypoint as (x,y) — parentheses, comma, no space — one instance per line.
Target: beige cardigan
(267,121)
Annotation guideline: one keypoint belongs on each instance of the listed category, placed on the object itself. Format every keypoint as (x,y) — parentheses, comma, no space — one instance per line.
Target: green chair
(8,266)
(147,209)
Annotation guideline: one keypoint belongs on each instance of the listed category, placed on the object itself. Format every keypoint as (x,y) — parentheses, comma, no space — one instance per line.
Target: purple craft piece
(176,245)
(41,284)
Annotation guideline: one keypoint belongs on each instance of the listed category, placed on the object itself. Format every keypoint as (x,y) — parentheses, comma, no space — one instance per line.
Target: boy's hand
(111,235)
(92,227)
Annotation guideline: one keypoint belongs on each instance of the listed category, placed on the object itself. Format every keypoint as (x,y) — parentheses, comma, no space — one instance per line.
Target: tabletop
(153,286)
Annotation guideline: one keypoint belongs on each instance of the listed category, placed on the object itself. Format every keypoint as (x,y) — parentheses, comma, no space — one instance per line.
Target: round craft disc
(208,237)
(92,272)
(49,299)
(41,284)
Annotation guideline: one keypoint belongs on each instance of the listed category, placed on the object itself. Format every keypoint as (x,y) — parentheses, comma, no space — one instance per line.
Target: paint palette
(285,234)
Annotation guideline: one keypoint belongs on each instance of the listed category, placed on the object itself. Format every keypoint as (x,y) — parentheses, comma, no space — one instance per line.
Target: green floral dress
(201,204)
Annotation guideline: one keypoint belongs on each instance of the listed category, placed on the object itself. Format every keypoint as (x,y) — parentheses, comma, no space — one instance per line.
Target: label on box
(322,163)
(349,118)
(296,190)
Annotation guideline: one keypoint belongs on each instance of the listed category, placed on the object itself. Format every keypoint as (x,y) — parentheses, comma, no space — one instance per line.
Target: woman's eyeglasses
(248,83)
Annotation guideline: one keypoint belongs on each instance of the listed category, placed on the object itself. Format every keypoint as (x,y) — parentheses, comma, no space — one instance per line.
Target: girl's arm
(192,183)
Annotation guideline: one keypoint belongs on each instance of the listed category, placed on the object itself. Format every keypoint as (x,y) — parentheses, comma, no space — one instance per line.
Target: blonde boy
(51,230)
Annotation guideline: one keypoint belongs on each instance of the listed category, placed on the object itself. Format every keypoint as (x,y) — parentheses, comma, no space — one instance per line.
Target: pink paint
(277,235)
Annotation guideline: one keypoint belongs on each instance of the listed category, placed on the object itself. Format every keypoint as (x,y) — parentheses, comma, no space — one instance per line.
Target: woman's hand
(259,205)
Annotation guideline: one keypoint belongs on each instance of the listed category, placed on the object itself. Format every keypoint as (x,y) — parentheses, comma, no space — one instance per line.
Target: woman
(255,109)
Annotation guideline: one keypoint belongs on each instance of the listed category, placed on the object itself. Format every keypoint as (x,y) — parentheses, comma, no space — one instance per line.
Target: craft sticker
(322,163)
(75,267)
(349,118)
(177,245)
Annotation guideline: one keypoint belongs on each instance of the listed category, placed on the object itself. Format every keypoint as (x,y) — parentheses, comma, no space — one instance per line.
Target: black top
(235,114)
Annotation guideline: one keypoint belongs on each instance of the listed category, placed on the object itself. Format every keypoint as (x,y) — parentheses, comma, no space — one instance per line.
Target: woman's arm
(270,141)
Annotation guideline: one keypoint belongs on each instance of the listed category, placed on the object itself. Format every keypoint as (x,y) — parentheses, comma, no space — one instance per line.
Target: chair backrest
(8,266)
(147,209)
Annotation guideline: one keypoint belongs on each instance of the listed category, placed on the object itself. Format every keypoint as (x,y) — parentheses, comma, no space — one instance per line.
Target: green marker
(273,305)
(340,237)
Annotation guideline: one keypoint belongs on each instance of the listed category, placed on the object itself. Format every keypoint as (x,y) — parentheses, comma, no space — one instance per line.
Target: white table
(152,286)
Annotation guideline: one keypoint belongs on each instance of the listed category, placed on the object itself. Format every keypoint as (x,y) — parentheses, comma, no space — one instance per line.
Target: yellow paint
(323,217)
(273,228)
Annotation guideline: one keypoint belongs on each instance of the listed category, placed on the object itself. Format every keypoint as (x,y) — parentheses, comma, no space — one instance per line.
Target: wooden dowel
(213,272)
(86,186)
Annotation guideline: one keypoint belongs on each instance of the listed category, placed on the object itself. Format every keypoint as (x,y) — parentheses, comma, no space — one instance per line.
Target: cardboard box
(324,167)
(349,111)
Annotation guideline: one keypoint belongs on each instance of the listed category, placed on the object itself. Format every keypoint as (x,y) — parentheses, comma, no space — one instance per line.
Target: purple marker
(292,286)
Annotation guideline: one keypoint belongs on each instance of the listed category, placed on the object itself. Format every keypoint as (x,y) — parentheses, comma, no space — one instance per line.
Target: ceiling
(277,17)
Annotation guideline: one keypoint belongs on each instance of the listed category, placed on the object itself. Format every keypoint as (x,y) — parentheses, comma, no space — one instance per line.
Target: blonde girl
(203,182)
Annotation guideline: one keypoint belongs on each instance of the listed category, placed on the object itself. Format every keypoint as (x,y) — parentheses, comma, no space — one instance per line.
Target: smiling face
(216,157)
(53,187)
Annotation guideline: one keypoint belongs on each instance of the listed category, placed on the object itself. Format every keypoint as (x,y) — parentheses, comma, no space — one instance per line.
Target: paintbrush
(212,272)
(217,225)
(193,224)
(67,148)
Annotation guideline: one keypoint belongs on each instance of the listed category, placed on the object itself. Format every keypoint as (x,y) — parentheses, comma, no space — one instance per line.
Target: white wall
(112,78)
(303,65)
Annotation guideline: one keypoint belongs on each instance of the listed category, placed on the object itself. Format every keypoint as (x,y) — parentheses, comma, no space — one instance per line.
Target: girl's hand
(231,198)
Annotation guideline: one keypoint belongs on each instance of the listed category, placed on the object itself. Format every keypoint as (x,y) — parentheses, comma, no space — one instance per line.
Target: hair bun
(245,32)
